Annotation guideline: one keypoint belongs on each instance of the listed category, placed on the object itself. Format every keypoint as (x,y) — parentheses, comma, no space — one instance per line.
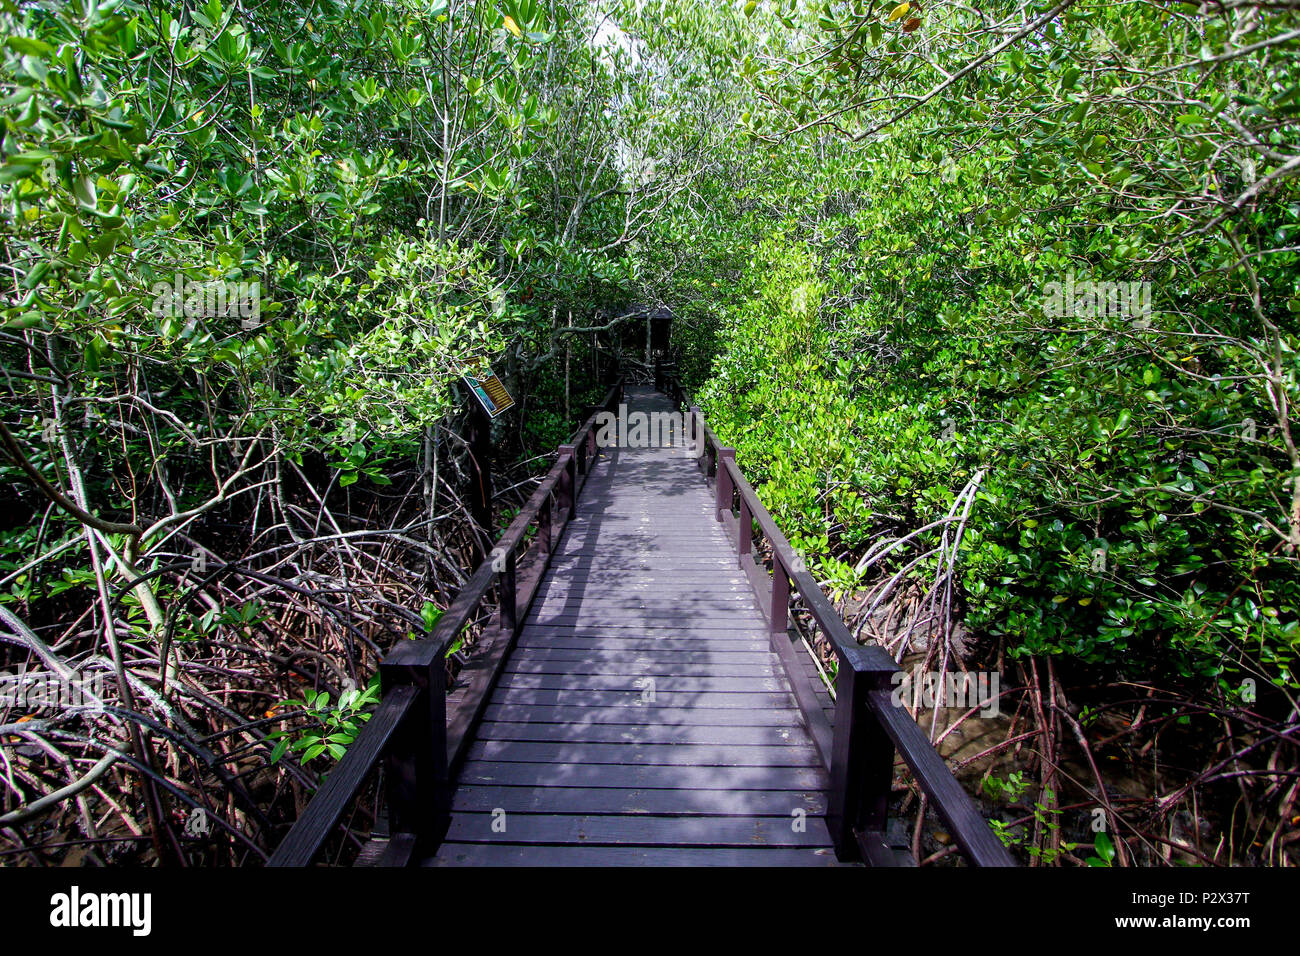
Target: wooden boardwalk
(643,717)
(655,705)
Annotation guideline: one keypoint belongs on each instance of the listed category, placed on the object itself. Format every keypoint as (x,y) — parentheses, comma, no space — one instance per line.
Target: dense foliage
(998,305)
(914,321)
(249,250)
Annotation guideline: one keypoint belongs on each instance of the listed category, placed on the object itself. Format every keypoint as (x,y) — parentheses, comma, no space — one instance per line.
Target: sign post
(493,400)
(489,391)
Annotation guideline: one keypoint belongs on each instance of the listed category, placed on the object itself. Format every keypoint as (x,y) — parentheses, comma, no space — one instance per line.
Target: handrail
(409,729)
(868,725)
(326,807)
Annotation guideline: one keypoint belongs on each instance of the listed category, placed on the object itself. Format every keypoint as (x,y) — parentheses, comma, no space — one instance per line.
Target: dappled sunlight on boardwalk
(643,717)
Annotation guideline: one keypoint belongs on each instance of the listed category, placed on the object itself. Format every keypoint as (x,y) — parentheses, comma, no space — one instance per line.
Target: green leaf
(1105,847)
(83,188)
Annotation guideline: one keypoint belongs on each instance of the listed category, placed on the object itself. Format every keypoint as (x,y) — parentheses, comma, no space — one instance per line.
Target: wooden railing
(411,731)
(868,728)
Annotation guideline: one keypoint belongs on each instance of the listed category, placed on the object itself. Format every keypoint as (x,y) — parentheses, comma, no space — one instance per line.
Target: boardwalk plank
(695,635)
(787,716)
(788,754)
(569,657)
(642,733)
(761,803)
(648,618)
(658,778)
(639,830)
(639,698)
(628,664)
(631,680)
(479,854)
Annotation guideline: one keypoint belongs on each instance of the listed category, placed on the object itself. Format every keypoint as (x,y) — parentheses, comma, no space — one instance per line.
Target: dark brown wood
(322,814)
(641,733)
(503,854)
(639,830)
(656,802)
(567,488)
(632,698)
(479,440)
(510,710)
(544,540)
(862,757)
(508,589)
(780,607)
(418,785)
(479,675)
(625,640)
(657,778)
(572,659)
(402,848)
(621,666)
(969,829)
(725,489)
(745,529)
(645,754)
(621,630)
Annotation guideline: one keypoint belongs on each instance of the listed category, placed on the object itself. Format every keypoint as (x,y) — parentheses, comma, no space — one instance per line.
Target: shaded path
(642,717)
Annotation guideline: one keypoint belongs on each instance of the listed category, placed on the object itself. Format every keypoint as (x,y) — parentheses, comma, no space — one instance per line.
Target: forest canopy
(998,305)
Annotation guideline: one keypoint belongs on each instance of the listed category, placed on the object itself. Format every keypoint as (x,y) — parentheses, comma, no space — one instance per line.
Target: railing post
(744,531)
(480,497)
(862,755)
(544,524)
(572,472)
(780,596)
(697,433)
(507,587)
(568,483)
(725,489)
(417,784)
